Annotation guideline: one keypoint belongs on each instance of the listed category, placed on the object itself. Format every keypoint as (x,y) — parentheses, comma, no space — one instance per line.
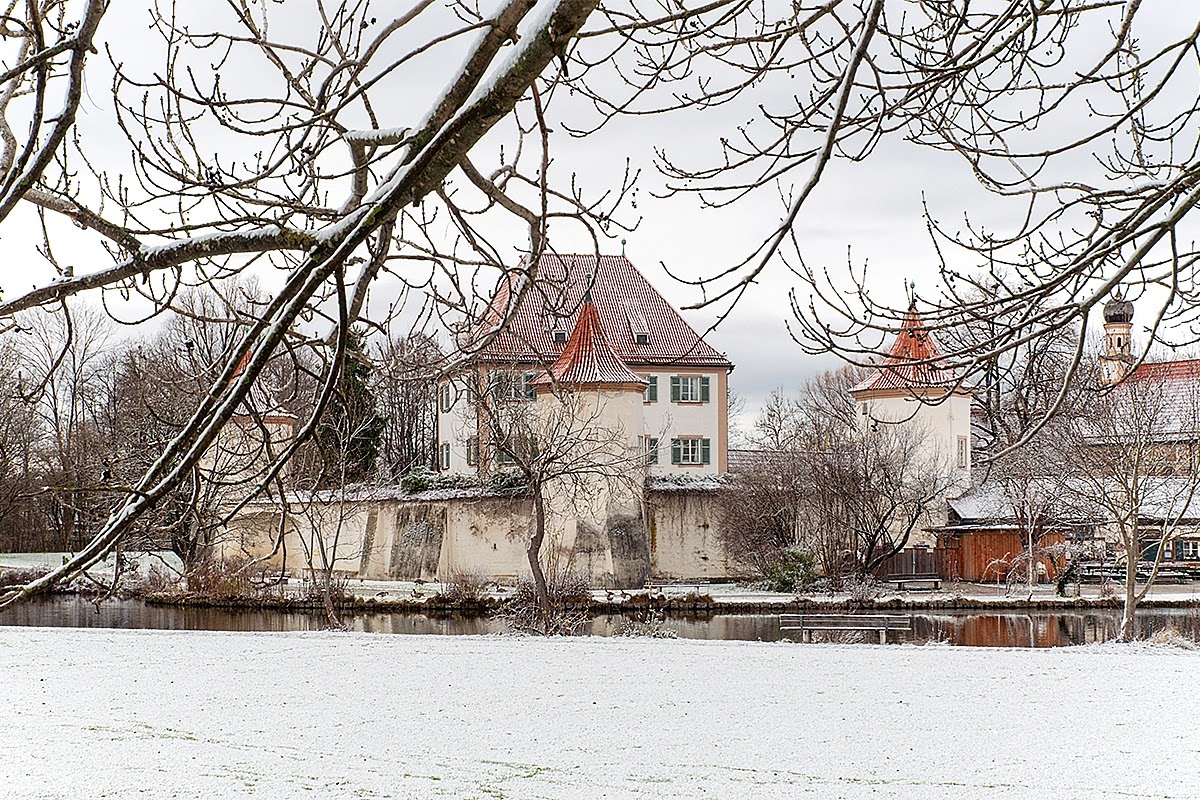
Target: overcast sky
(867,213)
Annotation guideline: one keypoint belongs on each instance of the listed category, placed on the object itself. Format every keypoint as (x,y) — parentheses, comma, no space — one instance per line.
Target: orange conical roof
(588,359)
(914,359)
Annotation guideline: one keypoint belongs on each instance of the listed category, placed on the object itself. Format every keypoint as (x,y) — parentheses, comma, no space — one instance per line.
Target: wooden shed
(981,553)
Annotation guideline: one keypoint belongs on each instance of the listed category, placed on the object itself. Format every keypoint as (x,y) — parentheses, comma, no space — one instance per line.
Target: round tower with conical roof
(591,401)
(914,388)
(1118,345)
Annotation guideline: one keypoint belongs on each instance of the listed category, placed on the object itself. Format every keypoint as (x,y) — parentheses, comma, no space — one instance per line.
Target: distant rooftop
(640,326)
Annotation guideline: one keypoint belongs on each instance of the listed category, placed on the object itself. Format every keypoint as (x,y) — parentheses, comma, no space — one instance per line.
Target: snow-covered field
(155,714)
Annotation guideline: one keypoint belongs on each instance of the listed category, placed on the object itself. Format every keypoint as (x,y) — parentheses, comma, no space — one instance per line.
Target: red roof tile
(588,359)
(1171,392)
(625,301)
(914,360)
(1166,371)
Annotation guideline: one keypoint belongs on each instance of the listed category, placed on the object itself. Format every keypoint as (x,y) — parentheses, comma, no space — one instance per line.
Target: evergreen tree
(351,428)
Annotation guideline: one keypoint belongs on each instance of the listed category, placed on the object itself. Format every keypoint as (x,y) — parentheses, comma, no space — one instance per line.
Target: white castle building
(683,424)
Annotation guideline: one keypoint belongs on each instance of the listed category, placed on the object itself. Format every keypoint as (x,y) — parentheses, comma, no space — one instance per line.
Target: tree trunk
(1128,628)
(534,554)
(327,595)
(1029,575)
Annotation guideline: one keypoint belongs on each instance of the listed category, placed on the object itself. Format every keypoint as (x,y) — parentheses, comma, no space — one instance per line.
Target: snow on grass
(124,714)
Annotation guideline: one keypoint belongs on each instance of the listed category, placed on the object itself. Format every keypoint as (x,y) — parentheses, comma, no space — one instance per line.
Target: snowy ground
(133,714)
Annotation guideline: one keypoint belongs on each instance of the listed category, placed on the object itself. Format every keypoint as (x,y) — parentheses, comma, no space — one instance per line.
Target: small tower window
(560,337)
(641,338)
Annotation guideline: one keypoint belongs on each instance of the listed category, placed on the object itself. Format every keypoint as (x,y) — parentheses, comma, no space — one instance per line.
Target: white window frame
(690,447)
(512,386)
(689,388)
(648,447)
(1187,550)
(444,456)
(650,393)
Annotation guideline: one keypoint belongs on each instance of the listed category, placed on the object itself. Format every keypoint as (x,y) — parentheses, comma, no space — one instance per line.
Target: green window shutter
(704,391)
(704,452)
(676,451)
(530,391)
(675,389)
(652,389)
(653,451)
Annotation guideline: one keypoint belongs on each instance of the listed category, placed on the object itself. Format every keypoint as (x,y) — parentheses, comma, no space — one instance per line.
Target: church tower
(1118,349)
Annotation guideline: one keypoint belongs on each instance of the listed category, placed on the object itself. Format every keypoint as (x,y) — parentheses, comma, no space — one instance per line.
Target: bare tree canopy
(314,146)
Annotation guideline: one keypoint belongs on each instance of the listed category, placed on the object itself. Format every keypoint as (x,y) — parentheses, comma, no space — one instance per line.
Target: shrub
(312,590)
(418,479)
(466,587)
(19,576)
(570,594)
(1170,636)
(507,481)
(862,589)
(794,571)
(219,578)
(652,625)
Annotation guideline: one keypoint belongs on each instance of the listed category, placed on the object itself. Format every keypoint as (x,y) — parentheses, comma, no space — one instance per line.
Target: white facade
(684,436)
(943,421)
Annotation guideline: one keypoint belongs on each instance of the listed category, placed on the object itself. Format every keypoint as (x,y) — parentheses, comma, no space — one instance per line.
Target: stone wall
(416,539)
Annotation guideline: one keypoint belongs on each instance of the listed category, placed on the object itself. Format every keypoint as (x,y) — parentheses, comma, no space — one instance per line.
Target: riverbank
(679,598)
(130,714)
(703,599)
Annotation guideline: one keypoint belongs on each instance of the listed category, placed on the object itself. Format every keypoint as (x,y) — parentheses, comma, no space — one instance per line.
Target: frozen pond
(979,629)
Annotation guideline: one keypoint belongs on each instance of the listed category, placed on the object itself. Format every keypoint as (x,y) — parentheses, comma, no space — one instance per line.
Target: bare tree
(1133,472)
(877,487)
(1031,480)
(20,437)
(406,396)
(268,137)
(578,464)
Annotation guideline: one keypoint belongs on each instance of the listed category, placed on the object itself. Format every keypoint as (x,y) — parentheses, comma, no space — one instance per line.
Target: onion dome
(1118,310)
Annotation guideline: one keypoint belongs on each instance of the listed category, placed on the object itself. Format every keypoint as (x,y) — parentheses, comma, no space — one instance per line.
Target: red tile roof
(913,361)
(1166,371)
(1171,390)
(626,303)
(588,359)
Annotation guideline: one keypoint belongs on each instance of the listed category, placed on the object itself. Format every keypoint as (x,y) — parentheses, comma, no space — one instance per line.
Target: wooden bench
(696,586)
(914,582)
(807,623)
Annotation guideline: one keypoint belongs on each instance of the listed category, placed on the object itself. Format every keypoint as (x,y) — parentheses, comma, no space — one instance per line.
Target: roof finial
(587,293)
(912,294)
(622,248)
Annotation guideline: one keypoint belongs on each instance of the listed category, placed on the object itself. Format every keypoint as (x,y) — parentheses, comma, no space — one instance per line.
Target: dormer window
(560,337)
(641,338)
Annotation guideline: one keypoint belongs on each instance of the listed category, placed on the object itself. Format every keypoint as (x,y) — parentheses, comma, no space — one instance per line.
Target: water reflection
(1006,629)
